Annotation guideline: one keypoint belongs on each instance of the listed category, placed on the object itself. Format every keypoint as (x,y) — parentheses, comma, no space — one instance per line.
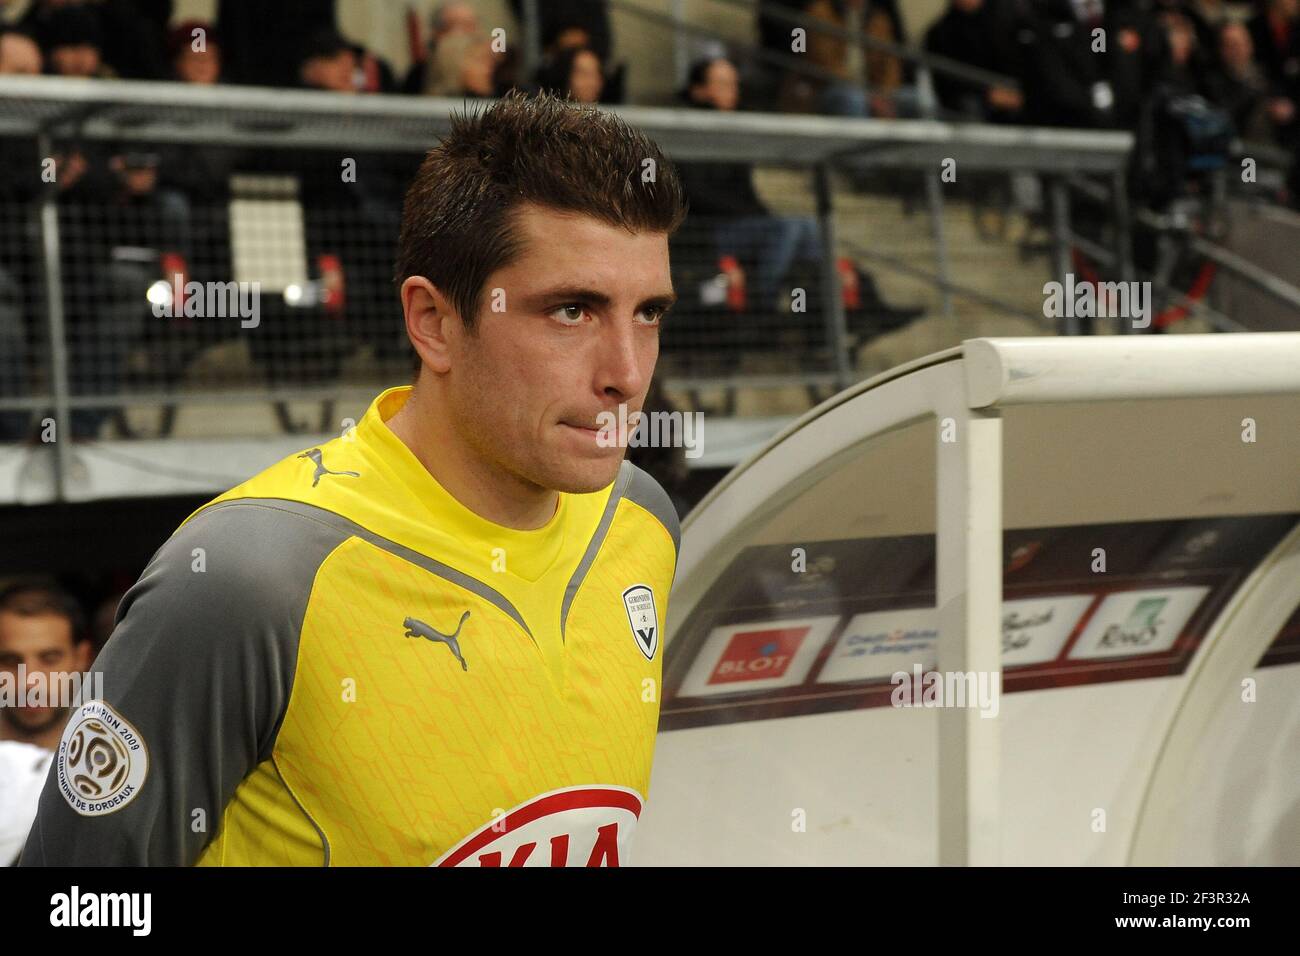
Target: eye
(565,314)
(653,315)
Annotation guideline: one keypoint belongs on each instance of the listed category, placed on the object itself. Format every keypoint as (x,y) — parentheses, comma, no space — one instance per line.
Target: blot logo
(576,826)
(758,655)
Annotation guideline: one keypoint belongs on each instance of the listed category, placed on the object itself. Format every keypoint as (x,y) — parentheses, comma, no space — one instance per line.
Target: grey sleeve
(196,677)
(650,495)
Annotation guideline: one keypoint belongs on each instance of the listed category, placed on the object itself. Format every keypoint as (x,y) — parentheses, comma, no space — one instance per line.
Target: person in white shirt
(44,641)
(22,775)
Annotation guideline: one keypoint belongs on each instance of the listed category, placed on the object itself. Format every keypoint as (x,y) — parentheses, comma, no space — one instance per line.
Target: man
(73,38)
(19,54)
(448,20)
(724,195)
(1066,83)
(1241,87)
(979,33)
(435,639)
(1275,30)
(43,637)
(328,63)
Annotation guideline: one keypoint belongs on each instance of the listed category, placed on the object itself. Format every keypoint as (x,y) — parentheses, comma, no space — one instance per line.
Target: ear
(430,321)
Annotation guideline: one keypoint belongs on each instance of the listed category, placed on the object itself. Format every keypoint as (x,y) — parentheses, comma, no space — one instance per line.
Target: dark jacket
(1062,71)
(724,190)
(984,39)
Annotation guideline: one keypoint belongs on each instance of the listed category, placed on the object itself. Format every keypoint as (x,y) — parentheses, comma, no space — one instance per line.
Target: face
(1181,42)
(42,642)
(721,86)
(476,70)
(202,68)
(571,37)
(579,336)
(80,59)
(456,18)
(1235,45)
(331,72)
(586,81)
(18,55)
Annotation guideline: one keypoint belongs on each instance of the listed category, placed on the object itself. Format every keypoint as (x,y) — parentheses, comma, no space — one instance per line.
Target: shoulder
(239,559)
(21,761)
(641,489)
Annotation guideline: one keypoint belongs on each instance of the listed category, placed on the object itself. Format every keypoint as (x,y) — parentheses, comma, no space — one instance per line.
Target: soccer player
(436,638)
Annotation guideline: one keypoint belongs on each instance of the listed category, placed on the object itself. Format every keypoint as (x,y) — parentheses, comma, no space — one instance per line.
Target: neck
(47,737)
(481,486)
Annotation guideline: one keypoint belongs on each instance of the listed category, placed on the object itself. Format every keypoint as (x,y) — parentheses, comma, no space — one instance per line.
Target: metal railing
(102,330)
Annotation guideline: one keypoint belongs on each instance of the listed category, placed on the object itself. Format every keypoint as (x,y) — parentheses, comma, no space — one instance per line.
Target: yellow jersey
(337,663)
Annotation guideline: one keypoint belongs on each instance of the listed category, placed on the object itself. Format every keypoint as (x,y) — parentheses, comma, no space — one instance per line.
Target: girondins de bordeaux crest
(640,603)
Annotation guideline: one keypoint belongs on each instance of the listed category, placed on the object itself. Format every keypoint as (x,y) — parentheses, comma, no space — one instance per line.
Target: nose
(626,360)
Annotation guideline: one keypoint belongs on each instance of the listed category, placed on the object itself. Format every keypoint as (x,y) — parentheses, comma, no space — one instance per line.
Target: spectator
(576,73)
(195,53)
(129,34)
(1275,32)
(43,629)
(464,66)
(1204,18)
(979,33)
(449,19)
(259,38)
(568,25)
(23,769)
(889,90)
(571,23)
(331,62)
(373,74)
(1240,87)
(73,38)
(328,63)
(1187,70)
(846,95)
(724,194)
(19,54)
(1067,84)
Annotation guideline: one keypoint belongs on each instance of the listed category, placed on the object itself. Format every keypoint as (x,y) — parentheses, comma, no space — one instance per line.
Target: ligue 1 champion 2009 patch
(102,760)
(640,603)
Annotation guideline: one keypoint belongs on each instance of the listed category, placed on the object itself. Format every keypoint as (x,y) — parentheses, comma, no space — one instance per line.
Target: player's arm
(196,678)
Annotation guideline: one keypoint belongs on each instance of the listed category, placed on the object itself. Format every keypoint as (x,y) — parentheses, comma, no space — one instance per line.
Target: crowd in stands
(1119,64)
(1242,55)
(1206,69)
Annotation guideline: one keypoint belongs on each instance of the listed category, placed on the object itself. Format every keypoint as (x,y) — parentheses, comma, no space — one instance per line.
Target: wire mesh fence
(160,245)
